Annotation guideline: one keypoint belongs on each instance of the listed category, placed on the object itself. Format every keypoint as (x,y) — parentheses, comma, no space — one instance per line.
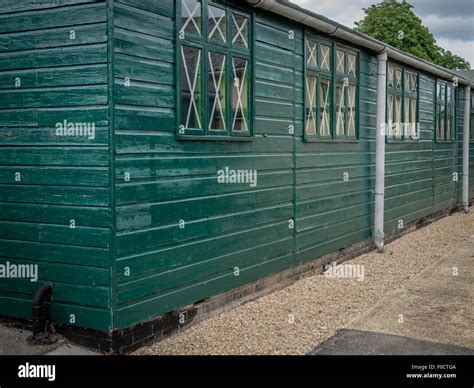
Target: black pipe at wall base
(40,317)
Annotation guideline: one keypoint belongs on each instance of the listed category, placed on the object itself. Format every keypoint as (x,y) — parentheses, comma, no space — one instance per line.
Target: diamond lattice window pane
(351,103)
(217,23)
(311,53)
(240,31)
(217,91)
(407,111)
(311,83)
(340,108)
(340,61)
(191,93)
(240,95)
(398,115)
(390,114)
(408,86)
(325,57)
(352,64)
(391,75)
(413,116)
(414,83)
(398,79)
(191,17)
(324,107)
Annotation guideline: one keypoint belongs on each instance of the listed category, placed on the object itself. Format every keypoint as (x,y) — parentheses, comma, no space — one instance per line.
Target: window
(472,116)
(346,93)
(402,104)
(445,111)
(215,71)
(330,91)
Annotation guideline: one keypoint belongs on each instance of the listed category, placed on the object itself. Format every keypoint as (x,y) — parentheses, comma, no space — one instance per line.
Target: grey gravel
(295,320)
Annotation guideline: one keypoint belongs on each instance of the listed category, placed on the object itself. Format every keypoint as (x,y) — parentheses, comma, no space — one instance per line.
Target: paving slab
(436,305)
(13,343)
(358,343)
(72,350)
(431,314)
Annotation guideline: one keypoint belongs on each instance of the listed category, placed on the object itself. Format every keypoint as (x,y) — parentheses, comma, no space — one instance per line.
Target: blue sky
(451,21)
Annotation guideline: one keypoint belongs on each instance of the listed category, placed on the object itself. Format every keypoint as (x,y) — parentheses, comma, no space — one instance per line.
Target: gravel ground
(295,320)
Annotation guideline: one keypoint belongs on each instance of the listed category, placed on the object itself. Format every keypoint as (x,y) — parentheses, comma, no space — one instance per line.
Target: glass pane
(324,107)
(472,125)
(407,111)
(352,64)
(442,112)
(325,56)
(398,116)
(398,79)
(217,91)
(340,62)
(414,83)
(391,75)
(340,108)
(413,112)
(240,95)
(448,124)
(441,122)
(217,24)
(191,17)
(240,31)
(453,122)
(310,103)
(390,101)
(407,82)
(191,94)
(351,106)
(311,54)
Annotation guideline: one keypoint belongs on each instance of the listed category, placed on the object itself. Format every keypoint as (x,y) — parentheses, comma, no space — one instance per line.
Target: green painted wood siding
(162,267)
(176,236)
(226,226)
(45,78)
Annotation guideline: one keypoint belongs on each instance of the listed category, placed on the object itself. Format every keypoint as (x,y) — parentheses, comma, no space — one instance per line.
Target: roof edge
(332,28)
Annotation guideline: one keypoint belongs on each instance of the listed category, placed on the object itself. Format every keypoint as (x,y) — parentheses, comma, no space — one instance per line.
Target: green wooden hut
(155,154)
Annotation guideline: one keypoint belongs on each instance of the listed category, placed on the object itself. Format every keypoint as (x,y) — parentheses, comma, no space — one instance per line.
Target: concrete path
(433,313)
(13,342)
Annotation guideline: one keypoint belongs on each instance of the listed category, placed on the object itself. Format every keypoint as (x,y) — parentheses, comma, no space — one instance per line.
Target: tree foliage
(395,23)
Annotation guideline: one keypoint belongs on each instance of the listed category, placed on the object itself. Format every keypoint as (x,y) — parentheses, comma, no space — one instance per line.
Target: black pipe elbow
(40,315)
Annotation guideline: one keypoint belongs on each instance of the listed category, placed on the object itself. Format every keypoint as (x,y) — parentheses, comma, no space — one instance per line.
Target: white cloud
(452,32)
(462,48)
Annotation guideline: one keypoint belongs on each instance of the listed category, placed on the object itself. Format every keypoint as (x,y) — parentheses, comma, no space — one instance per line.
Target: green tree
(395,23)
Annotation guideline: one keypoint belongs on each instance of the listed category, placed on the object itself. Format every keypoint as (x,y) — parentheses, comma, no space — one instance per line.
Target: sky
(450,21)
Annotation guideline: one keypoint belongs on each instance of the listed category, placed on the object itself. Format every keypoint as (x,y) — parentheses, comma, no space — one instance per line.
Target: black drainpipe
(40,317)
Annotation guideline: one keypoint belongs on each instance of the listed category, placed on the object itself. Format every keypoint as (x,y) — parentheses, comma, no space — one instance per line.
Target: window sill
(401,141)
(445,141)
(215,138)
(331,141)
